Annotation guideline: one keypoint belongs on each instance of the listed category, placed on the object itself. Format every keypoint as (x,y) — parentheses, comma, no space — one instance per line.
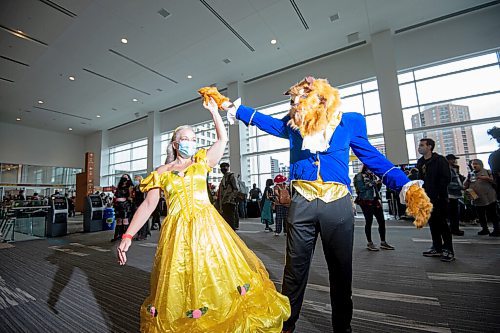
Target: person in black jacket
(434,170)
(494,159)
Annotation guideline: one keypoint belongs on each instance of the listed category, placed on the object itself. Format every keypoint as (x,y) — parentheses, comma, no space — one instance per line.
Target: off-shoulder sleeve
(150,182)
(201,158)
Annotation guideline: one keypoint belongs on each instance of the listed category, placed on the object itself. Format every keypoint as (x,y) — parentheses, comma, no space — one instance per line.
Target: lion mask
(314,102)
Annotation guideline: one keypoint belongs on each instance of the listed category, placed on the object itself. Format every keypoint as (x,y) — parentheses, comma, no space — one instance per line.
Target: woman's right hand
(211,106)
(122,250)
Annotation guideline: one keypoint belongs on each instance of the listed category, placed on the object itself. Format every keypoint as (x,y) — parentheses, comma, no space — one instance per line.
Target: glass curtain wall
(454,103)
(130,158)
(43,180)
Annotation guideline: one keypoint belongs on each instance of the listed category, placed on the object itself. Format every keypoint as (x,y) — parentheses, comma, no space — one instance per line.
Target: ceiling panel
(190,41)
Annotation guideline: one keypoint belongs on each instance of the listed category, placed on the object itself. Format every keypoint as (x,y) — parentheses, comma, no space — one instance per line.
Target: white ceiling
(191,41)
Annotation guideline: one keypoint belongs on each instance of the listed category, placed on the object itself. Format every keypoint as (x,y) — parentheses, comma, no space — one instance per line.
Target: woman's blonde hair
(171,152)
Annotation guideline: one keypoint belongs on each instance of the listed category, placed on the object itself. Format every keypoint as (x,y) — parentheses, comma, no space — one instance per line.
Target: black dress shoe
(432,253)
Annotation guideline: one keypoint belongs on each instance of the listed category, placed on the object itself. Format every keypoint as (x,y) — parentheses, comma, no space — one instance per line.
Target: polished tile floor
(73,284)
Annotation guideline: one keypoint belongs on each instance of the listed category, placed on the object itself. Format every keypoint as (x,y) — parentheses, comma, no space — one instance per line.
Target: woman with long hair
(123,195)
(266,215)
(204,278)
(368,198)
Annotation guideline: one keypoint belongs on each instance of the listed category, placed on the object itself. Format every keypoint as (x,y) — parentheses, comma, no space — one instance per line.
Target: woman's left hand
(211,106)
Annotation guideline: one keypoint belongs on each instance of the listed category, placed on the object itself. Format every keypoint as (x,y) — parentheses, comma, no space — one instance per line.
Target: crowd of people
(456,198)
(8,199)
(191,278)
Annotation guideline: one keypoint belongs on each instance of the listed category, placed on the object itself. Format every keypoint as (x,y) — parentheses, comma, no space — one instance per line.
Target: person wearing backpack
(282,202)
(455,192)
(228,197)
(368,198)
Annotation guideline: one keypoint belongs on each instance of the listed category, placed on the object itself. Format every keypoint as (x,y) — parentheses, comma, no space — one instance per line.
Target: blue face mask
(187,148)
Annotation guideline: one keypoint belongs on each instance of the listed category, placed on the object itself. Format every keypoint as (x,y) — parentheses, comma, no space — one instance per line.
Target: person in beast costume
(321,137)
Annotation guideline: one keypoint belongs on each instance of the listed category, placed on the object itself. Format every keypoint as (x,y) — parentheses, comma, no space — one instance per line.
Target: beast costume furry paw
(418,205)
(212,92)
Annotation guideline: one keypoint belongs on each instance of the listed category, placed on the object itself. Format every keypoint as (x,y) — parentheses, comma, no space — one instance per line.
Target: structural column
(390,99)
(154,141)
(234,90)
(102,153)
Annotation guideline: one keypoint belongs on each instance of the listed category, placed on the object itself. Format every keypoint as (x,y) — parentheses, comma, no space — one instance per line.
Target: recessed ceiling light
(354,37)
(98,116)
(189,77)
(134,100)
(18,119)
(334,17)
(70,129)
(72,78)
(124,40)
(164,13)
(273,41)
(40,102)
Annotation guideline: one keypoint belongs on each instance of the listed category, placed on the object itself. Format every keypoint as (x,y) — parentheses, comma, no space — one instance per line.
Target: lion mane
(317,103)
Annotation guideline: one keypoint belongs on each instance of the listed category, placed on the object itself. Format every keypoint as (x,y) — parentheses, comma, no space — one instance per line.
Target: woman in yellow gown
(204,277)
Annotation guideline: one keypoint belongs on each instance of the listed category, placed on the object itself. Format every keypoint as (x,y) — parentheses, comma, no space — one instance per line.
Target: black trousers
(335,222)
(230,214)
(369,211)
(440,231)
(488,214)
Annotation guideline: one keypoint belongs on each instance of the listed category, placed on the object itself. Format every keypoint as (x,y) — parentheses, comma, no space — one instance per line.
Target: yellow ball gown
(204,278)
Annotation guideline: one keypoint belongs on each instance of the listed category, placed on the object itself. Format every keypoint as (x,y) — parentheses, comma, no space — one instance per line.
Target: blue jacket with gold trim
(333,163)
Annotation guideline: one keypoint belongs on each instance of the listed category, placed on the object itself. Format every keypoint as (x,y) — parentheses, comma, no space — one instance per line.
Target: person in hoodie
(434,170)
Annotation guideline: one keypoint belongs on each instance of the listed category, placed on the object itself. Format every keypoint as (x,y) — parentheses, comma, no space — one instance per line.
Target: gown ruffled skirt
(204,277)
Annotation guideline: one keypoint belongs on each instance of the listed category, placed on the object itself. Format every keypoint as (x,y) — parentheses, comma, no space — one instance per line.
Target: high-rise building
(456,140)
(275,167)
(357,165)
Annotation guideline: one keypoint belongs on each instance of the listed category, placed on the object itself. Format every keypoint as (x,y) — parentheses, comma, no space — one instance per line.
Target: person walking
(254,198)
(242,198)
(228,192)
(494,159)
(137,200)
(281,203)
(434,170)
(266,215)
(122,203)
(455,193)
(368,198)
